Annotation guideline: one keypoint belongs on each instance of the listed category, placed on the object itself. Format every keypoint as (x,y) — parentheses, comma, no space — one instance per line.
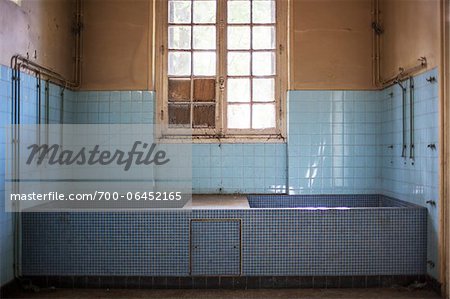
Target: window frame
(221,133)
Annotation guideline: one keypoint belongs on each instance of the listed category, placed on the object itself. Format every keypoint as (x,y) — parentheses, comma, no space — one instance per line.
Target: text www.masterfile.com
(97,196)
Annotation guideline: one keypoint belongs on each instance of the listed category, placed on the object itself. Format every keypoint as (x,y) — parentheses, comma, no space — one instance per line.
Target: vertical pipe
(403,119)
(39,106)
(13,151)
(61,110)
(47,110)
(61,118)
(411,118)
(16,169)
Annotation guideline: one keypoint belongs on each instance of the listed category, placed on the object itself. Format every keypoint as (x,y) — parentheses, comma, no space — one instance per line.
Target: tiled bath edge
(230,282)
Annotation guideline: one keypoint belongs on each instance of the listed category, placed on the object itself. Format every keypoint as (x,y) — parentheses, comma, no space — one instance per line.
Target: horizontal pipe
(405,73)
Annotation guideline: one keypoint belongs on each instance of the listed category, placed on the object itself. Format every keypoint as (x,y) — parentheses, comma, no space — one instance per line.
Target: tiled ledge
(228,282)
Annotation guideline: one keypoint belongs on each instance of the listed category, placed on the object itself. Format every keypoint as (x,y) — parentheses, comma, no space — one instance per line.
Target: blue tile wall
(414,180)
(6,231)
(333,139)
(60,109)
(338,143)
(239,168)
(224,168)
(114,107)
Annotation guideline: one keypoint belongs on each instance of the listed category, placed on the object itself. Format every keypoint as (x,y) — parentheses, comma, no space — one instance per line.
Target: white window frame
(221,133)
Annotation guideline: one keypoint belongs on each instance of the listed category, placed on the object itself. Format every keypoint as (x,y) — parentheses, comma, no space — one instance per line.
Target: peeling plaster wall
(44,27)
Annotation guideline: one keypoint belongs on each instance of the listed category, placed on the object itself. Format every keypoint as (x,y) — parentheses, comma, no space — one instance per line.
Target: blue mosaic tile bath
(325,201)
(275,242)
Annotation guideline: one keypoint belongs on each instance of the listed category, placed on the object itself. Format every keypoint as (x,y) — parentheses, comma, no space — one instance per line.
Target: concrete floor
(392,293)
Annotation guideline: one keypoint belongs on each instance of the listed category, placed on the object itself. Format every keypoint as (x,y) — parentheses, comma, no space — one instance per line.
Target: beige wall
(331,46)
(44,26)
(411,30)
(117,45)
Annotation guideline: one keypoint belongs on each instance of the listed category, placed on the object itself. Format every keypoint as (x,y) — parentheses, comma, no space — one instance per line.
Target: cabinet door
(215,247)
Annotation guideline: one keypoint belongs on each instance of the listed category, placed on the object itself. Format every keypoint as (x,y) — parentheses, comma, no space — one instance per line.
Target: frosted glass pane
(263,11)
(239,37)
(204,90)
(204,116)
(205,37)
(179,11)
(179,64)
(263,63)
(238,64)
(238,116)
(263,90)
(179,115)
(263,116)
(238,12)
(179,90)
(238,90)
(204,63)
(179,37)
(263,37)
(204,11)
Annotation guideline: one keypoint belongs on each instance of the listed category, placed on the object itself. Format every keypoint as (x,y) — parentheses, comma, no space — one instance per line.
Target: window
(222,68)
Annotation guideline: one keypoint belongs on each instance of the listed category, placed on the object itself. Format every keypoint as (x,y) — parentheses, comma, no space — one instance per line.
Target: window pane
(179,115)
(204,90)
(205,37)
(179,64)
(238,12)
(238,64)
(204,11)
(204,63)
(263,116)
(179,90)
(179,37)
(239,37)
(263,37)
(204,116)
(263,90)
(263,11)
(238,90)
(263,63)
(238,116)
(179,11)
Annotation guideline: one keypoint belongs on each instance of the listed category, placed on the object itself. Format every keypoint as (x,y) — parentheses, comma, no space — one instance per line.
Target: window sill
(229,139)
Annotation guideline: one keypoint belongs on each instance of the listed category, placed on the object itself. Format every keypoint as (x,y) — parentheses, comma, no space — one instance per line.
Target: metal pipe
(15,120)
(39,106)
(61,118)
(376,44)
(78,42)
(403,118)
(411,118)
(17,184)
(405,73)
(55,80)
(50,75)
(47,110)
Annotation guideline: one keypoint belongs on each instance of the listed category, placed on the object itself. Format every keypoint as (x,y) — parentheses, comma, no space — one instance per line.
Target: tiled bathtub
(271,240)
